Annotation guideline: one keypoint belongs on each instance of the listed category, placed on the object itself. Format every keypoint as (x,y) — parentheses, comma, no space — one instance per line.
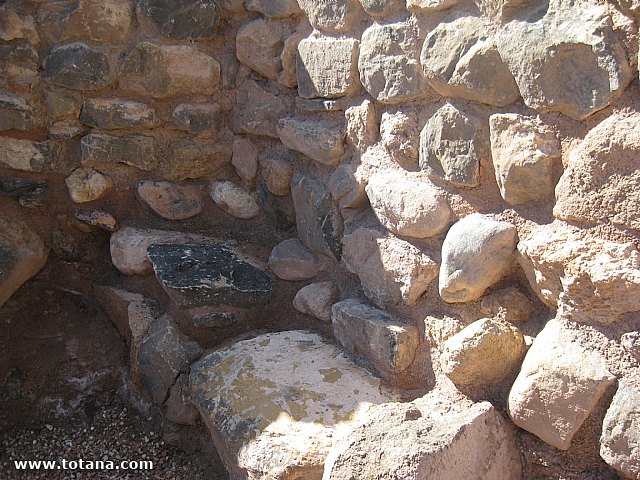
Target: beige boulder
(400,135)
(321,141)
(361,125)
(245,159)
(333,16)
(234,200)
(170,200)
(257,110)
(86,185)
(317,299)
(510,302)
(258,46)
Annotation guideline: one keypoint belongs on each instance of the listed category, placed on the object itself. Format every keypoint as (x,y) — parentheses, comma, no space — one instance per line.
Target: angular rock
(476,252)
(288,59)
(408,205)
(245,159)
(22,255)
(600,183)
(289,260)
(257,111)
(65,129)
(27,155)
(391,270)
(234,200)
(168,71)
(190,159)
(77,66)
(134,150)
(450,147)
(86,185)
(98,218)
(460,60)
(399,134)
(333,16)
(317,299)
(620,439)
(483,353)
(439,329)
(277,172)
(559,385)
(386,343)
(163,355)
(198,119)
(389,64)
(524,152)
(29,193)
(320,141)
(347,186)
(112,114)
(17,113)
(361,125)
(180,410)
(380,8)
(170,201)
(408,440)
(318,221)
(196,275)
(19,64)
(588,279)
(182,19)
(431,5)
(274,8)
(14,26)
(280,211)
(569,61)
(299,395)
(258,46)
(327,67)
(510,302)
(60,105)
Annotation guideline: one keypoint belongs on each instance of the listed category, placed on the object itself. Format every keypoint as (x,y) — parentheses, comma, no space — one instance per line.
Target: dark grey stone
(199,275)
(77,66)
(135,150)
(214,320)
(182,19)
(16,113)
(113,114)
(197,119)
(278,210)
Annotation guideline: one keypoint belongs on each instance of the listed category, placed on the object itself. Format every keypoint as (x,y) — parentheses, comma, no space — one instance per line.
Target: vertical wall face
(449,182)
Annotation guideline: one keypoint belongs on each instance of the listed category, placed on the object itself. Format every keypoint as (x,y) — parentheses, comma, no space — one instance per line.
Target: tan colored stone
(245,159)
(288,58)
(400,135)
(318,140)
(86,185)
(430,5)
(259,45)
(289,260)
(27,155)
(361,125)
(257,110)
(277,173)
(316,300)
(193,159)
(333,16)
(234,200)
(510,303)
(14,26)
(169,200)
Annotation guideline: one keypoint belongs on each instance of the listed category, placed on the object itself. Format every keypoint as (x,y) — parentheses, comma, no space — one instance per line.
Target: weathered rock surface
(27,155)
(19,63)
(214,319)
(620,439)
(278,210)
(318,140)
(22,255)
(381,8)
(86,184)
(234,200)
(135,150)
(257,110)
(450,147)
(362,125)
(195,159)
(163,355)
(475,254)
(600,182)
(15,26)
(389,64)
(327,67)
(245,159)
(289,260)
(510,302)
(524,153)
(318,220)
(17,113)
(405,440)
(347,186)
(569,61)
(332,16)
(317,299)
(258,46)
(196,275)
(559,385)
(111,114)
(179,408)
(277,172)
(275,404)
(399,134)
(431,5)
(98,218)
(274,8)
(460,59)
(386,343)
(408,205)
(61,105)
(485,352)
(168,71)
(588,279)
(169,200)
(198,119)
(391,270)
(631,342)
(288,58)
(182,19)
(77,66)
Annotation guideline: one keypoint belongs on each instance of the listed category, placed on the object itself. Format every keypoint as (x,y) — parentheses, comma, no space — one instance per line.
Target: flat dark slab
(196,275)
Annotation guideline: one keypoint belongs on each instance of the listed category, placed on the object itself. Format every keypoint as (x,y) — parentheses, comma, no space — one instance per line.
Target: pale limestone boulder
(332,16)
(408,205)
(390,270)
(460,60)
(524,152)
(389,65)
(244,158)
(586,278)
(383,341)
(422,441)
(320,141)
(289,59)
(259,45)
(559,385)
(234,200)
(347,186)
(450,145)
(327,67)
(86,185)
(317,299)
(476,253)
(170,200)
(600,183)
(26,155)
(620,439)
(22,255)
(361,125)
(569,61)
(400,135)
(276,404)
(483,353)
(511,303)
(430,5)
(257,110)
(501,11)
(289,260)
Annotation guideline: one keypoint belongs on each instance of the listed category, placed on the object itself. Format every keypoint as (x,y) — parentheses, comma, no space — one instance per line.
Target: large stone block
(204,119)
(27,155)
(135,150)
(318,140)
(333,16)
(259,45)
(289,260)
(257,110)
(170,200)
(77,66)
(112,114)
(182,19)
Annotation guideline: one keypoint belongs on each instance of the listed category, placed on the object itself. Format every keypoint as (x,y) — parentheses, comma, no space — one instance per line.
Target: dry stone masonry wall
(350,238)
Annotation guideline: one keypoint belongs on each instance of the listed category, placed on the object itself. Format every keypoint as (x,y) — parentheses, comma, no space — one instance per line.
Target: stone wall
(446,190)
